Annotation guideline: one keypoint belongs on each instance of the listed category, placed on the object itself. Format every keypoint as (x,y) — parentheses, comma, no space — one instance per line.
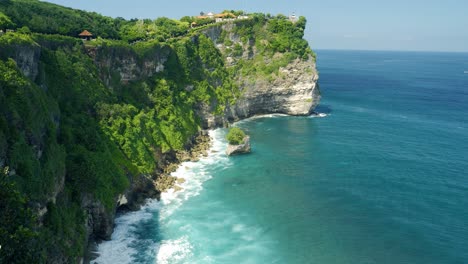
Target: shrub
(235,136)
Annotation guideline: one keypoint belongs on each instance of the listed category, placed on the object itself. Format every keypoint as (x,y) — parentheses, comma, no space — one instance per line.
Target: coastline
(204,153)
(179,187)
(163,181)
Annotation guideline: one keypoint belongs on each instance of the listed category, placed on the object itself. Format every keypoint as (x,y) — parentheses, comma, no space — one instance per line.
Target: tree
(186,19)
(18,239)
(235,136)
(24,30)
(5,22)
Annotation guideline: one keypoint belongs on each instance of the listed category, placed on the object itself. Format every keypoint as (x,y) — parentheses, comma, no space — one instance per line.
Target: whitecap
(237,228)
(318,115)
(260,117)
(174,251)
(119,249)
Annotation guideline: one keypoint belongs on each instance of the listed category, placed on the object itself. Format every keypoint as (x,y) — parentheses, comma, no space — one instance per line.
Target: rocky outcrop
(239,149)
(143,187)
(294,90)
(99,221)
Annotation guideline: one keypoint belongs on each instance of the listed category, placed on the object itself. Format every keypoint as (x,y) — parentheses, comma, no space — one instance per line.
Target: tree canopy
(5,22)
(235,136)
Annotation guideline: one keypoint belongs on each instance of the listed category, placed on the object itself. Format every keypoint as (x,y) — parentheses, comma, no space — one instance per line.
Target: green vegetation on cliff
(267,44)
(81,121)
(235,136)
(18,224)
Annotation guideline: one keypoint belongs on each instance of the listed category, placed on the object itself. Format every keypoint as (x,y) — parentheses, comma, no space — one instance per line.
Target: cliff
(277,83)
(88,128)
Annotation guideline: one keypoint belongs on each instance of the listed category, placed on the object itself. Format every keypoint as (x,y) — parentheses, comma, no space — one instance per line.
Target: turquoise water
(381,179)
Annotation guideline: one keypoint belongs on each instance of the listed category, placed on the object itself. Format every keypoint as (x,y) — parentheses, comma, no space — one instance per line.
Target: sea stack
(242,148)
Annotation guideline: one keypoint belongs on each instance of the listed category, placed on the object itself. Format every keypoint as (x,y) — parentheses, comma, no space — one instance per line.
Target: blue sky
(430,25)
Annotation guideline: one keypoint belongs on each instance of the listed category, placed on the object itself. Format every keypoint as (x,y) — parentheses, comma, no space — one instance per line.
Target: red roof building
(86,35)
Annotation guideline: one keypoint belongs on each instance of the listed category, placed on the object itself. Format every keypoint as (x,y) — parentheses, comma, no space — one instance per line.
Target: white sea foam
(238,228)
(259,117)
(267,115)
(174,251)
(195,175)
(121,247)
(318,115)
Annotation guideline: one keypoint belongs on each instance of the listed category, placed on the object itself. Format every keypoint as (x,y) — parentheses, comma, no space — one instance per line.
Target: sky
(416,25)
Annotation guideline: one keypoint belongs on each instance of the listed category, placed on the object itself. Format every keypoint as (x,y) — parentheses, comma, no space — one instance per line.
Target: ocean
(380,177)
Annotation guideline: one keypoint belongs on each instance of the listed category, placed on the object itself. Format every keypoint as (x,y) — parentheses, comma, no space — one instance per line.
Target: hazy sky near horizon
(421,25)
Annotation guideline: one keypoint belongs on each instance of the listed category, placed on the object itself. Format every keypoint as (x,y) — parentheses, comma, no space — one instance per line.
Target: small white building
(210,15)
(293,18)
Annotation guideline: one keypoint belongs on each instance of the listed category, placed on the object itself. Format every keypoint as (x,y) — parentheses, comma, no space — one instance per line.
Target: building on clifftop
(86,35)
(224,17)
(293,18)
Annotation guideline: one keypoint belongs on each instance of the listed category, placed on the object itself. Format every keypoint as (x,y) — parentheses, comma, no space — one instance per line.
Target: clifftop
(85,124)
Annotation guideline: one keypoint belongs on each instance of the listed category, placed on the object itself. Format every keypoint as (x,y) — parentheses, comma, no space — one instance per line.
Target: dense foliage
(19,242)
(235,136)
(75,130)
(5,22)
(49,18)
(267,44)
(39,154)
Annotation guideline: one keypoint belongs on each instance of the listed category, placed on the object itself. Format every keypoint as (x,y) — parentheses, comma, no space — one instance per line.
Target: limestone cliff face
(121,65)
(294,90)
(27,59)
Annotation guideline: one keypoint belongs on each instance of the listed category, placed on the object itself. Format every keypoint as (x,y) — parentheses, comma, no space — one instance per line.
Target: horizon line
(390,50)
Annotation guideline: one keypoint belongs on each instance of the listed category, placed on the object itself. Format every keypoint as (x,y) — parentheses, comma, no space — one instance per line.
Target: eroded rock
(239,149)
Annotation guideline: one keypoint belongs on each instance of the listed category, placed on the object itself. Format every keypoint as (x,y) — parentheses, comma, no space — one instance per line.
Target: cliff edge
(90,127)
(271,80)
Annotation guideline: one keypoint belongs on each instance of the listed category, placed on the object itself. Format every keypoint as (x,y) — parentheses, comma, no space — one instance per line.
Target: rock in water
(239,149)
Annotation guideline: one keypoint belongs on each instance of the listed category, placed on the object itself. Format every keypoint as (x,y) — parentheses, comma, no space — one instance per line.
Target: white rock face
(295,91)
(122,200)
(27,59)
(239,149)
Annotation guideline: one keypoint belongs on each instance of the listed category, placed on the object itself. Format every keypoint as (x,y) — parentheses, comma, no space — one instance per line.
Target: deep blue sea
(382,178)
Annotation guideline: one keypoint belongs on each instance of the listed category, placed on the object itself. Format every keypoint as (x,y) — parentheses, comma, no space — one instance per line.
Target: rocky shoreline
(144,187)
(199,148)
